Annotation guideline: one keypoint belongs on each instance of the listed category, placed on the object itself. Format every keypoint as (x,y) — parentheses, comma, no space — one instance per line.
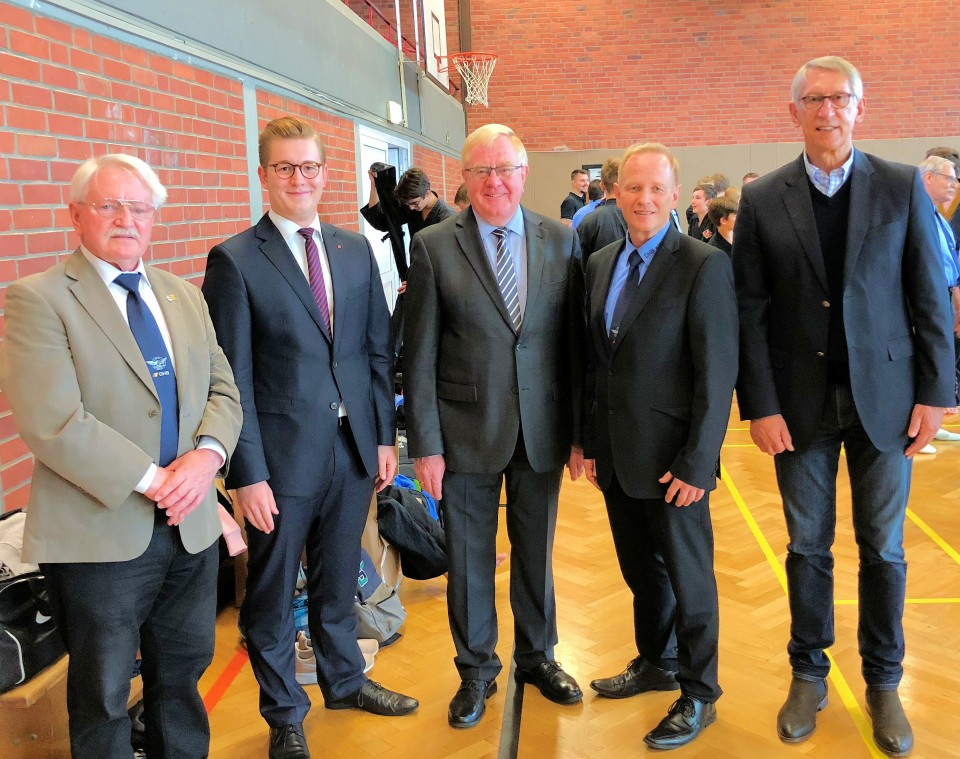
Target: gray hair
(827,63)
(934,164)
(131,164)
(490,133)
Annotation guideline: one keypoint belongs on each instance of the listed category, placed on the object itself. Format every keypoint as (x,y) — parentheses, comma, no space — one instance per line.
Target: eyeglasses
(838,100)
(952,181)
(111,208)
(483,172)
(310,169)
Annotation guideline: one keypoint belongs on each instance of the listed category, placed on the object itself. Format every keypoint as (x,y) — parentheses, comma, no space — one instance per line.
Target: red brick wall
(60,103)
(584,77)
(339,203)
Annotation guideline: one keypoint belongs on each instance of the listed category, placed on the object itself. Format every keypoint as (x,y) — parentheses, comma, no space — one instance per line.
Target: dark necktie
(507,277)
(317,286)
(627,293)
(147,334)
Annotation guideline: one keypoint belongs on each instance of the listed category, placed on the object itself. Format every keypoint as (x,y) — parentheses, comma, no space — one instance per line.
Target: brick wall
(579,77)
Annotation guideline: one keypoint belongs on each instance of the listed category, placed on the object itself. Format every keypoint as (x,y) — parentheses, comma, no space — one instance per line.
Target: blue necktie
(507,277)
(147,334)
(629,290)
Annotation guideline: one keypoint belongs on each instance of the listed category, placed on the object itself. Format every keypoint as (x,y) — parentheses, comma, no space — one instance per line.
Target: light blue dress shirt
(518,251)
(622,267)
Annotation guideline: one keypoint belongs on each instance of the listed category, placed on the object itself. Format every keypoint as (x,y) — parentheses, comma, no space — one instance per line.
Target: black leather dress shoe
(553,682)
(640,676)
(798,716)
(891,730)
(685,720)
(374,698)
(288,742)
(469,703)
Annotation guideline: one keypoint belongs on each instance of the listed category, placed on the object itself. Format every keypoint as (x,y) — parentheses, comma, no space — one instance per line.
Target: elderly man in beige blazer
(120,390)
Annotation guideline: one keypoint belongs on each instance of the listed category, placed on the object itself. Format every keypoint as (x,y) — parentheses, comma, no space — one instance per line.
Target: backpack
(29,639)
(404,519)
(379,611)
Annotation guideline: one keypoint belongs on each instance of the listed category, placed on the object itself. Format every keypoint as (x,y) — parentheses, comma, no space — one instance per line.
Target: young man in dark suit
(662,362)
(845,340)
(300,311)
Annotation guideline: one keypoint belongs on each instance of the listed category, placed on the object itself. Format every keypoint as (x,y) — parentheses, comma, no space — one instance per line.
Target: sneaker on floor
(927,449)
(305,662)
(943,434)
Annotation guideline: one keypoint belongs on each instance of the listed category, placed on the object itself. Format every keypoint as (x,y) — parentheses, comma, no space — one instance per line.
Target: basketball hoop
(475,70)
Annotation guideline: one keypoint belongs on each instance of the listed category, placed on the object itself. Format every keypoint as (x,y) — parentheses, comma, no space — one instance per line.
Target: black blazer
(470,381)
(896,313)
(600,228)
(291,378)
(660,400)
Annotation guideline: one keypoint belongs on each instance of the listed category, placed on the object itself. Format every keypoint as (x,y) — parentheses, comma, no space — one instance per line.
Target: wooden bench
(33,717)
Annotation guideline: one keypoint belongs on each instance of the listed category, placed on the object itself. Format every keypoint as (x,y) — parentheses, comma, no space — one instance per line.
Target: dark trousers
(666,556)
(164,603)
(880,485)
(328,524)
(470,509)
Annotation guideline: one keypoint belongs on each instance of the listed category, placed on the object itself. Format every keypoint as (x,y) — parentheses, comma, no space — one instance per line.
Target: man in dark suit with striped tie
(300,311)
(492,382)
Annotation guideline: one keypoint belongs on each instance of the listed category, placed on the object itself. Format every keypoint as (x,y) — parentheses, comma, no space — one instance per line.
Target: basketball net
(475,70)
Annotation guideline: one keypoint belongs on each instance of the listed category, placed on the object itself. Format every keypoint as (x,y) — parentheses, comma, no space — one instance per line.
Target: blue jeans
(880,485)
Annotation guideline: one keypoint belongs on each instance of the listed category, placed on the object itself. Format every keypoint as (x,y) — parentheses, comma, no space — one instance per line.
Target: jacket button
(334,406)
(152,413)
(820,354)
(335,364)
(825,304)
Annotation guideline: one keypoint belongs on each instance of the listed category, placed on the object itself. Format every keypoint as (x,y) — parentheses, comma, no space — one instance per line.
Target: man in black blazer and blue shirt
(300,311)
(662,362)
(492,379)
(845,339)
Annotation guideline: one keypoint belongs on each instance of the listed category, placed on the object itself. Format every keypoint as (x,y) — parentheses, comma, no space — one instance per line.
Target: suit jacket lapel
(91,292)
(598,301)
(468,235)
(662,262)
(535,236)
(796,199)
(859,216)
(275,248)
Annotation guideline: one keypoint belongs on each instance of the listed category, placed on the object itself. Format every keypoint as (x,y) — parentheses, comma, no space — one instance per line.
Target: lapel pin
(171,297)
(339,247)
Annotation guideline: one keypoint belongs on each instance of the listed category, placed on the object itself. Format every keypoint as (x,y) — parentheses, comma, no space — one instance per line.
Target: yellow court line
(932,534)
(739,445)
(918,601)
(836,676)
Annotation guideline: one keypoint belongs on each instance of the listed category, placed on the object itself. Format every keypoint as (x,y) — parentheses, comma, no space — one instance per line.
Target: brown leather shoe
(798,716)
(891,730)
(640,676)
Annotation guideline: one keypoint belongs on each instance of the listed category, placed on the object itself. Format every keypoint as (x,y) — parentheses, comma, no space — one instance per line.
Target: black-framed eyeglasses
(285,170)
(111,208)
(952,181)
(483,172)
(839,100)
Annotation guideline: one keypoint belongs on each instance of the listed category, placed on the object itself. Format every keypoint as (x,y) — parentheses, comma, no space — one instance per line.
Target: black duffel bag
(29,639)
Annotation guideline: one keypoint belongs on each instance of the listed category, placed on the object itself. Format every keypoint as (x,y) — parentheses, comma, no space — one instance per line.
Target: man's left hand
(386,465)
(924,423)
(194,472)
(679,492)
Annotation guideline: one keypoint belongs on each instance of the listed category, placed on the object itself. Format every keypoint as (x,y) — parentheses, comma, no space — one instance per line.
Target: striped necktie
(317,286)
(507,277)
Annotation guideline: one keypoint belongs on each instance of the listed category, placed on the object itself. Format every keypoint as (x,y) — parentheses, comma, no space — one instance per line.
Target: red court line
(225,680)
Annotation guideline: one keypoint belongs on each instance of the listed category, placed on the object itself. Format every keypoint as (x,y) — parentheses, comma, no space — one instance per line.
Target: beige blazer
(86,406)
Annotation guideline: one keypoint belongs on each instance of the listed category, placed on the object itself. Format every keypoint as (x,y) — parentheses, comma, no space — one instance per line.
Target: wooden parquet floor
(594,615)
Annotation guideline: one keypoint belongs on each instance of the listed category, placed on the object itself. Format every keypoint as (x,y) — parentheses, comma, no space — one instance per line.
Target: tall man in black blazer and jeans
(845,340)
(300,311)
(662,362)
